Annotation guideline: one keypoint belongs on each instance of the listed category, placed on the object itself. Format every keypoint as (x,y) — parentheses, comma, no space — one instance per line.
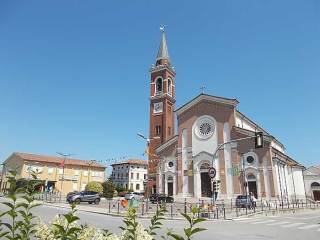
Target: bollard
(231,205)
(261,205)
(142,209)
(185,206)
(109,207)
(147,206)
(118,207)
(171,210)
(237,211)
(224,213)
(217,210)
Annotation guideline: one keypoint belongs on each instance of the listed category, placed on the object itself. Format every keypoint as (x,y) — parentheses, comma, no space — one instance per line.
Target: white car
(134,196)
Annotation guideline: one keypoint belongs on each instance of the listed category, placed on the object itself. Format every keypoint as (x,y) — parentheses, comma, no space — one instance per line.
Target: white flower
(140,231)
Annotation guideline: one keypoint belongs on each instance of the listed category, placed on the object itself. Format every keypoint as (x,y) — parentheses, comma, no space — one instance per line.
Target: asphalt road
(298,226)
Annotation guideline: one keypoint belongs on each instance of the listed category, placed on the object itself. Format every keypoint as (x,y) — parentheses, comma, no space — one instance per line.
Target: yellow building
(54,172)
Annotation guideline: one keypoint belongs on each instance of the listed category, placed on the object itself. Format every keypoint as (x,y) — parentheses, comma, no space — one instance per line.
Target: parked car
(84,196)
(161,198)
(72,193)
(134,196)
(244,201)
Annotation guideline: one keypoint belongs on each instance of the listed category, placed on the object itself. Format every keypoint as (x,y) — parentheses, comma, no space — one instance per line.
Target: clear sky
(74,74)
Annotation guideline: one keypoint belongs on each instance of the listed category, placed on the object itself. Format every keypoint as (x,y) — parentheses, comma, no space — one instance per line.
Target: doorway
(252,185)
(205,180)
(316,195)
(170,186)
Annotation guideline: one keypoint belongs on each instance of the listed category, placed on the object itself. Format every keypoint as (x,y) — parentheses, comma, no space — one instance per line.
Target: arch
(251,177)
(315,184)
(159,85)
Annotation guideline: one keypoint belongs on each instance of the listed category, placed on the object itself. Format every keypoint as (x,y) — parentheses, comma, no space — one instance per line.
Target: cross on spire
(202,88)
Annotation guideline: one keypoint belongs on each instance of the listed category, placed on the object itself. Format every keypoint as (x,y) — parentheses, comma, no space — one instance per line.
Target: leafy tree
(95,187)
(108,189)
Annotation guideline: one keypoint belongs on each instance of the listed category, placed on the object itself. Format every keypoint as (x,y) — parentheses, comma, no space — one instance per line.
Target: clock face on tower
(157,107)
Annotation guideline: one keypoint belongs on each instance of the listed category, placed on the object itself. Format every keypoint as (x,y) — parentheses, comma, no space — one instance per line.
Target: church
(209,133)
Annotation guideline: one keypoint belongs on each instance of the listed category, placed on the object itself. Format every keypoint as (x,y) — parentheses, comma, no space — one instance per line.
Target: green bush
(95,187)
(108,189)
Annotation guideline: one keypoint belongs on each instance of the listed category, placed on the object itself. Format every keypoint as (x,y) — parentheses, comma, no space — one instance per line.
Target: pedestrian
(253,200)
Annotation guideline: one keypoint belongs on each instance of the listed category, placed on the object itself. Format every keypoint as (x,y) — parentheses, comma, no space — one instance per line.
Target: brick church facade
(179,159)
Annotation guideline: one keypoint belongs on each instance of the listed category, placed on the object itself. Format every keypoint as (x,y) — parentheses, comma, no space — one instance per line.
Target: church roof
(163,49)
(202,96)
(167,143)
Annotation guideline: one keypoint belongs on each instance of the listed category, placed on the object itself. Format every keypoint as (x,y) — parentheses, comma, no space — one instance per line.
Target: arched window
(315,184)
(169,87)
(159,86)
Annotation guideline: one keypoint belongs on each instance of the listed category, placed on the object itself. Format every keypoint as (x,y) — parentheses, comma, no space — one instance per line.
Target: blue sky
(74,74)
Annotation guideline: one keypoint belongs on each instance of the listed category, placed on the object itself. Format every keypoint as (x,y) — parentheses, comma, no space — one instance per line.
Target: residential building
(179,159)
(312,182)
(56,173)
(131,174)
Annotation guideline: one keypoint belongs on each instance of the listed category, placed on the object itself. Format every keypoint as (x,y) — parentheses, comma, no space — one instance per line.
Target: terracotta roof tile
(57,160)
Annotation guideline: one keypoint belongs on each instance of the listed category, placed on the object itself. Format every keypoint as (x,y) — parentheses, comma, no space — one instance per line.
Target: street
(291,226)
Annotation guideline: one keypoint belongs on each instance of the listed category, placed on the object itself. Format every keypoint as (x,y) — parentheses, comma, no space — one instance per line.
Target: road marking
(277,223)
(292,225)
(261,222)
(309,226)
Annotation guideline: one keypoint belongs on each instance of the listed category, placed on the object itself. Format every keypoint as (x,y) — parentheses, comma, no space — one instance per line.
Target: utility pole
(64,155)
(90,163)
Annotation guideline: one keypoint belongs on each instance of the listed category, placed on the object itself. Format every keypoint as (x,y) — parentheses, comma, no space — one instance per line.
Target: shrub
(108,189)
(95,187)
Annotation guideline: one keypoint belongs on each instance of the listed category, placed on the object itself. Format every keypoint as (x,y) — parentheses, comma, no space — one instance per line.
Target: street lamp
(148,140)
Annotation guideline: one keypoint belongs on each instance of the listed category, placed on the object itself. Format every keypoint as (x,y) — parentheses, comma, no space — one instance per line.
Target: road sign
(212,172)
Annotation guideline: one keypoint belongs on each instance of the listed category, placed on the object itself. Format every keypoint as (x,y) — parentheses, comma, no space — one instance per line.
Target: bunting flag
(62,163)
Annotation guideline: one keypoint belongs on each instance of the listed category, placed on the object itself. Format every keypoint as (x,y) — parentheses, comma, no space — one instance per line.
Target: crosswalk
(282,223)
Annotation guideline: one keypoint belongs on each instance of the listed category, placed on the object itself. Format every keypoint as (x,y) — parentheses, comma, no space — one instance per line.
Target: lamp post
(64,155)
(148,140)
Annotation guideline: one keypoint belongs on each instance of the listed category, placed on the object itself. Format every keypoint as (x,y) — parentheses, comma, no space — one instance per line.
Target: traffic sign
(212,172)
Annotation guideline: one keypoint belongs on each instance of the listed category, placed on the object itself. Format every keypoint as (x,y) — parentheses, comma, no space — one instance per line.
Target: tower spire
(163,54)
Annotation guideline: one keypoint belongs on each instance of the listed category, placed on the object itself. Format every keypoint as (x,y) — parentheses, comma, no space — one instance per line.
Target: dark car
(84,196)
(244,201)
(160,198)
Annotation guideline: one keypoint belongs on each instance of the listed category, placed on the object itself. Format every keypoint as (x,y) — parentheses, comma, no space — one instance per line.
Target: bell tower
(162,106)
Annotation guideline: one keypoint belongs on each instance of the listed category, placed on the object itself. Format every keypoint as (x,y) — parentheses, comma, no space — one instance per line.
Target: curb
(122,215)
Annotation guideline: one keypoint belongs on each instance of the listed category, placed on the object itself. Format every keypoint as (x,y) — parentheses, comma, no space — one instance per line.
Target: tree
(95,187)
(108,189)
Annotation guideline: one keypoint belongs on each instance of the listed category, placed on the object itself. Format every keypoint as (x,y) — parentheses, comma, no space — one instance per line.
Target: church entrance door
(316,195)
(205,185)
(170,189)
(205,180)
(253,188)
